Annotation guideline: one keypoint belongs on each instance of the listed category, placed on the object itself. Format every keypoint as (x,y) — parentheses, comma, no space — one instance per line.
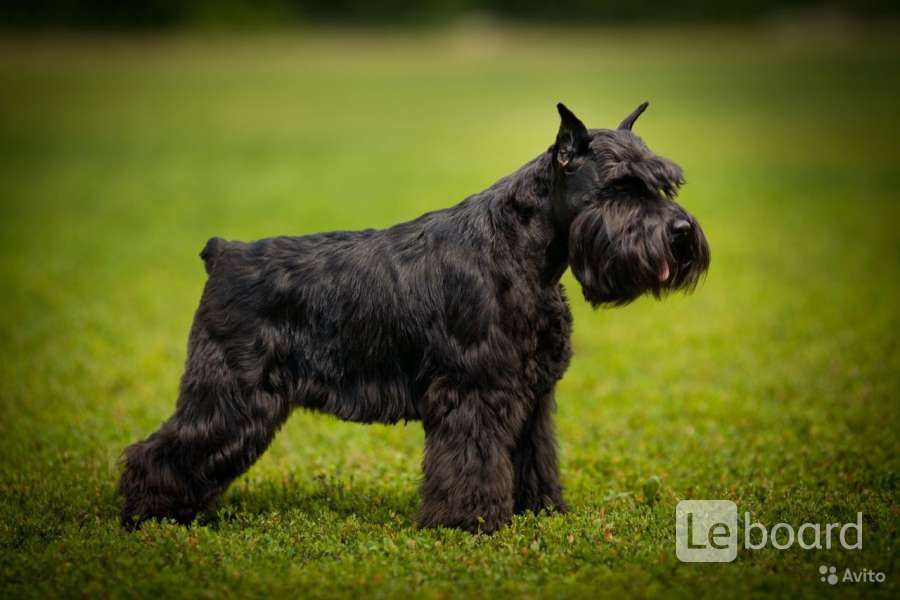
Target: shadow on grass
(325,497)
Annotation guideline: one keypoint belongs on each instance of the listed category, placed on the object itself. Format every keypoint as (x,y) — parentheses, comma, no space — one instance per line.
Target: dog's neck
(539,187)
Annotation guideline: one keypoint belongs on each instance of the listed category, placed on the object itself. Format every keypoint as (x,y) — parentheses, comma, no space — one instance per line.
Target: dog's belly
(378,394)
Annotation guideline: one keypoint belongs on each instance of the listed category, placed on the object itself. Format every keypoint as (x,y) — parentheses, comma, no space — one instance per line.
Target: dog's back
(292,312)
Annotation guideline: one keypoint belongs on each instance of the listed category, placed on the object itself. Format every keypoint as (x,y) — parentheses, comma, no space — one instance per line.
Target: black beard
(618,252)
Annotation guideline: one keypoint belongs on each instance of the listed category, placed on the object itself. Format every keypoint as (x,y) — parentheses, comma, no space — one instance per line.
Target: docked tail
(211,252)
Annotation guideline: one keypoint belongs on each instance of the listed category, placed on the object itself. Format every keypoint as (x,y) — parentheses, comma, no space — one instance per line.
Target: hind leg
(218,430)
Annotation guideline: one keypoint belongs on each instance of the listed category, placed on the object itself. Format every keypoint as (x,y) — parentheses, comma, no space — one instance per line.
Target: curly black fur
(456,319)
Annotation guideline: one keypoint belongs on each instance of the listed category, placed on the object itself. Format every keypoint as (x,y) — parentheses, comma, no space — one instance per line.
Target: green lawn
(776,385)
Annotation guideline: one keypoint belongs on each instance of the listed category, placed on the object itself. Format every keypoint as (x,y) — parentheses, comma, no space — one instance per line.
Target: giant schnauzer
(457,319)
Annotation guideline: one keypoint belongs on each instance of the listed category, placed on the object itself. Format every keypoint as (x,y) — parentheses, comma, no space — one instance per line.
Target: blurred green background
(266,13)
(775,385)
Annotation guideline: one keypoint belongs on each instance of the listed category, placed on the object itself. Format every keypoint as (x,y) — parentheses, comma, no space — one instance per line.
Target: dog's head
(627,235)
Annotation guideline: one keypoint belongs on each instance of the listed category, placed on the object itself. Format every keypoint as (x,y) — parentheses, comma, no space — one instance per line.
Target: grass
(776,385)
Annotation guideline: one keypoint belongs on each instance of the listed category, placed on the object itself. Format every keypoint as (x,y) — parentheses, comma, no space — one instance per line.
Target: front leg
(537,485)
(469,436)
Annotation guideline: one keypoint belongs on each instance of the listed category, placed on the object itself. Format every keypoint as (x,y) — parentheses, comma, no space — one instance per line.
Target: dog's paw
(545,503)
(486,521)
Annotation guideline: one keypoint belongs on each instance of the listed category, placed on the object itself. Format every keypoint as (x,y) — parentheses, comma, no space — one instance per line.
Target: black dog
(456,318)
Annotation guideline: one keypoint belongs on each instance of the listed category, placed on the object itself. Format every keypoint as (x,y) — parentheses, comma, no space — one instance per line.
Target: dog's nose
(680,226)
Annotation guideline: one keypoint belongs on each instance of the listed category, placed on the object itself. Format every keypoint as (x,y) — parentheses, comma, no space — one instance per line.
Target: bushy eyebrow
(621,155)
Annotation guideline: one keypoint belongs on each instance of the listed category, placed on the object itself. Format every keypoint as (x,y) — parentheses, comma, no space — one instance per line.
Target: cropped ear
(628,122)
(572,138)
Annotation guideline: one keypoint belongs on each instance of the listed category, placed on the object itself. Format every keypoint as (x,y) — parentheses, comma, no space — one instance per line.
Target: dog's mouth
(674,262)
(664,271)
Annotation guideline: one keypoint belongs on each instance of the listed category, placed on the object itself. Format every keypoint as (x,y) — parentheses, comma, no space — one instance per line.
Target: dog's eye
(626,185)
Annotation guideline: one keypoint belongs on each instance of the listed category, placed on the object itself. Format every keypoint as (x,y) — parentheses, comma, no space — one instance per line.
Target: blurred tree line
(237,13)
